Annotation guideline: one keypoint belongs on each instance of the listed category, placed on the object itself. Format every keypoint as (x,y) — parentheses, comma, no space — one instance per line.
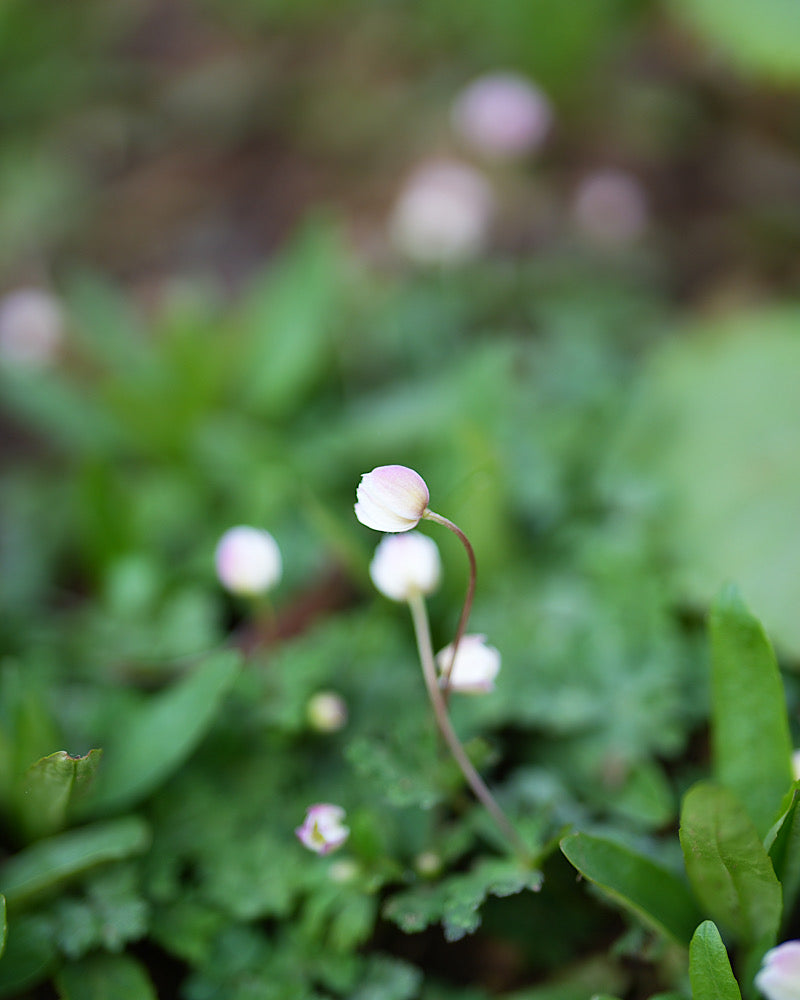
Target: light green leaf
(105,977)
(50,862)
(49,787)
(156,739)
(653,893)
(752,749)
(728,866)
(709,966)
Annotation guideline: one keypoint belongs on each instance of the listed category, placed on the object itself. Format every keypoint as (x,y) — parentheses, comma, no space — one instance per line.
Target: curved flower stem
(431,515)
(422,630)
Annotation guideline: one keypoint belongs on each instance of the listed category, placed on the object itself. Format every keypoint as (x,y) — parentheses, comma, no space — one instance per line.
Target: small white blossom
(327,712)
(475,668)
(443,214)
(391,498)
(323,829)
(248,561)
(31,327)
(779,976)
(406,565)
(502,115)
(610,208)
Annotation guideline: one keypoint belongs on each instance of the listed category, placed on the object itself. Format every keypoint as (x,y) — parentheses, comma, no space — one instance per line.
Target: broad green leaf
(728,866)
(105,977)
(29,955)
(762,37)
(784,851)
(709,966)
(653,893)
(157,737)
(47,863)
(752,749)
(49,787)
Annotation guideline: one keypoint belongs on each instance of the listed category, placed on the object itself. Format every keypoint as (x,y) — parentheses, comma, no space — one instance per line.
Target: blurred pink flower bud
(31,327)
(443,214)
(248,561)
(502,115)
(779,977)
(475,667)
(391,498)
(323,830)
(405,565)
(610,208)
(327,712)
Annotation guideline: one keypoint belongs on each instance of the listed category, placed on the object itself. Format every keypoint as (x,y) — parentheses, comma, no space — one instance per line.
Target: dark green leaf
(750,730)
(784,851)
(49,787)
(29,955)
(105,977)
(653,893)
(728,866)
(709,966)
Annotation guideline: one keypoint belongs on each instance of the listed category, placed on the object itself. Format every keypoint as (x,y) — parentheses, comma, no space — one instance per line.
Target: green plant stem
(431,515)
(419,615)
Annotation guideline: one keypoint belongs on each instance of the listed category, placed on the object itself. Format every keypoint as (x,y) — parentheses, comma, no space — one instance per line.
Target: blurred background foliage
(604,397)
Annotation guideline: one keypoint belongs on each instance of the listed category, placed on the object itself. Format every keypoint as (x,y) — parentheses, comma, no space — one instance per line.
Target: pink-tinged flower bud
(31,327)
(248,561)
(610,208)
(323,830)
(475,667)
(406,565)
(779,977)
(327,712)
(502,115)
(391,498)
(443,214)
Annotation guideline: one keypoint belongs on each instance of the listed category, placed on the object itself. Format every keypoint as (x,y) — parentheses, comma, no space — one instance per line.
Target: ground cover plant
(398,504)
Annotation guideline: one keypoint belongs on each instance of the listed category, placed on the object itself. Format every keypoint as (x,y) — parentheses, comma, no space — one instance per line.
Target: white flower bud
(327,712)
(779,977)
(502,115)
(391,498)
(248,561)
(31,327)
(428,864)
(610,208)
(475,667)
(405,565)
(796,765)
(443,214)
(323,830)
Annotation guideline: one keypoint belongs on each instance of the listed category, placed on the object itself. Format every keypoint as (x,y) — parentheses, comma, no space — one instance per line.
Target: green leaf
(154,740)
(728,866)
(388,979)
(3,924)
(784,851)
(50,862)
(763,38)
(653,893)
(49,787)
(709,966)
(752,749)
(29,955)
(105,977)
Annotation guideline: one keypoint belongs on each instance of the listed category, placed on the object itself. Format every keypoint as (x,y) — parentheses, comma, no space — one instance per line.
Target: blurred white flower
(323,829)
(31,327)
(428,864)
(391,498)
(475,668)
(327,712)
(502,115)
(405,565)
(248,561)
(610,208)
(443,214)
(779,976)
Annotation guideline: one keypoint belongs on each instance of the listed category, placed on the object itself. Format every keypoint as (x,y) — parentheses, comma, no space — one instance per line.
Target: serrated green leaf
(784,851)
(752,749)
(154,740)
(49,787)
(105,977)
(728,866)
(50,862)
(653,893)
(709,966)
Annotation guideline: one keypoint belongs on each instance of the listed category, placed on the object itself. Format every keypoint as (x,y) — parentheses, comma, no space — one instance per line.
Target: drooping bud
(406,565)
(779,977)
(391,498)
(323,829)
(248,561)
(475,667)
(502,115)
